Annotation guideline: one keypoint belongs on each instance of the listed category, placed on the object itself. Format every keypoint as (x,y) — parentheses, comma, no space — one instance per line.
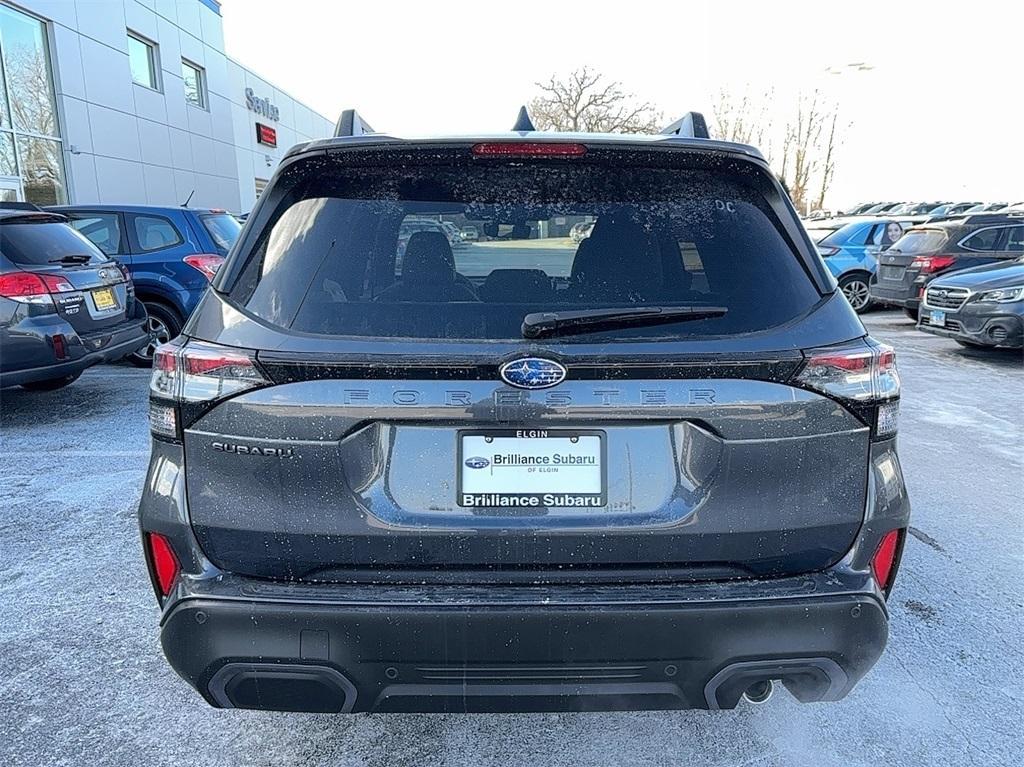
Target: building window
(143,62)
(30,145)
(195,84)
(261,184)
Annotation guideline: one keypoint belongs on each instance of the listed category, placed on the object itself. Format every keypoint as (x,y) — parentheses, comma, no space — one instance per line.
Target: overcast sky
(940,115)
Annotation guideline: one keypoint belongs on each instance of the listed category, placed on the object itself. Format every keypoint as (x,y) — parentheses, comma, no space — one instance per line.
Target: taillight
(865,376)
(206,263)
(33,288)
(195,373)
(129,285)
(929,264)
(164,563)
(528,149)
(883,564)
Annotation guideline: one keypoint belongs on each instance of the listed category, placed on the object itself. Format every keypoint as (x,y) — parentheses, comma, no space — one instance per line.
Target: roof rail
(690,125)
(351,124)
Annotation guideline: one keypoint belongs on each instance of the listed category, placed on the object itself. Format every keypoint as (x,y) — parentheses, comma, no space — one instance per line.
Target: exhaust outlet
(759,692)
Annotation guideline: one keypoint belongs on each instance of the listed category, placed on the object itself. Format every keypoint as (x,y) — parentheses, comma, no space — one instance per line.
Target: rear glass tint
(223,230)
(43,244)
(466,253)
(920,241)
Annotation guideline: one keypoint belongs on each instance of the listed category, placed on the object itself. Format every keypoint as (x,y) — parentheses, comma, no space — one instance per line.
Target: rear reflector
(528,149)
(60,349)
(164,562)
(884,562)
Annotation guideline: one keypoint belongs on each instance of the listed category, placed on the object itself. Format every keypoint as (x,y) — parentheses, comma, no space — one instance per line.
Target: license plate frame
(937,318)
(104,299)
(531,442)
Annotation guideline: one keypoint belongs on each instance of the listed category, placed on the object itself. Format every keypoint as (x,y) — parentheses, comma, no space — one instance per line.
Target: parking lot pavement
(82,681)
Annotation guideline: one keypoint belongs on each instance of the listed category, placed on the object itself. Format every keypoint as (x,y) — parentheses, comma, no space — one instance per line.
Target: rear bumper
(348,648)
(895,296)
(108,345)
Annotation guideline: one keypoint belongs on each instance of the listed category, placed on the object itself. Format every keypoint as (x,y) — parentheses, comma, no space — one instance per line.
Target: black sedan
(983,306)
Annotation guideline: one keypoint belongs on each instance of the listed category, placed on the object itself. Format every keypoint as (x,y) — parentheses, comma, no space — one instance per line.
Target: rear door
(104,229)
(159,243)
(405,425)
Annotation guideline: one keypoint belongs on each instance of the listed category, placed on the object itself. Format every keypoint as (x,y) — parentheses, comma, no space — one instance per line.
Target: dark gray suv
(655,468)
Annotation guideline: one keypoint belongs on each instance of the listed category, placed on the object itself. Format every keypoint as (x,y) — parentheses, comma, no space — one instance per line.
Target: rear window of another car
(365,252)
(44,243)
(223,230)
(920,241)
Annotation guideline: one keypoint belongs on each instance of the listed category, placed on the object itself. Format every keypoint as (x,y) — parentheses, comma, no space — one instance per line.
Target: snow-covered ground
(82,680)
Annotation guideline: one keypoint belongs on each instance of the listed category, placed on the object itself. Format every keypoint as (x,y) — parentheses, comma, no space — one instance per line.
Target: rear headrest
(428,258)
(513,286)
(618,255)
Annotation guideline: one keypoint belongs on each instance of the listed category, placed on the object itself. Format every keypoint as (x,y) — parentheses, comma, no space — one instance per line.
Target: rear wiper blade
(82,258)
(540,324)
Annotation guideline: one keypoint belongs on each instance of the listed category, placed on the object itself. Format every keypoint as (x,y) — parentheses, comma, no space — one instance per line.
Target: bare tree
(744,119)
(584,100)
(829,165)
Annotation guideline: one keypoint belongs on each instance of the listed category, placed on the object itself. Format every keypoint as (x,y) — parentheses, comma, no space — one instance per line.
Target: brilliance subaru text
(651,468)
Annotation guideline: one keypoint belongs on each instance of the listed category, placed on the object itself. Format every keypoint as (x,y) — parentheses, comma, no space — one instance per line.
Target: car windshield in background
(920,241)
(369,254)
(223,229)
(42,243)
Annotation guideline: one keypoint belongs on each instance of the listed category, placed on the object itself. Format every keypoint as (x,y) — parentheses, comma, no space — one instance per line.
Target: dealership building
(135,101)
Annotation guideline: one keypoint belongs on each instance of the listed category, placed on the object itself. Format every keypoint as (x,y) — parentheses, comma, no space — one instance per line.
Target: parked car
(503,495)
(851,254)
(470,233)
(171,254)
(992,207)
(927,251)
(979,307)
(951,209)
(581,231)
(64,306)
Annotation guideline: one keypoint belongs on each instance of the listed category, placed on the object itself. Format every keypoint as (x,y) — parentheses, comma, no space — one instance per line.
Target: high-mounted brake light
(883,564)
(930,264)
(207,263)
(163,561)
(528,149)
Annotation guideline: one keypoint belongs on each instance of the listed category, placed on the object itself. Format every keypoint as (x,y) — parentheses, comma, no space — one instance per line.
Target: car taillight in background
(928,264)
(191,375)
(129,285)
(826,250)
(33,288)
(207,263)
(864,376)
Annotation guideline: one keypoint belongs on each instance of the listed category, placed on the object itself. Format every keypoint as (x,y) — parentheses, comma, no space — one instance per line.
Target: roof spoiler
(690,125)
(351,124)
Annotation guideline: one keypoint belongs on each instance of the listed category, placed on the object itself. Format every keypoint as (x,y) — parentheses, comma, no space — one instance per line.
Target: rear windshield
(466,253)
(223,230)
(42,244)
(920,241)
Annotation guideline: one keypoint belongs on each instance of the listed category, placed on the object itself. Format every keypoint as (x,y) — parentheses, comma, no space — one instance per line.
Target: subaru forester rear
(654,467)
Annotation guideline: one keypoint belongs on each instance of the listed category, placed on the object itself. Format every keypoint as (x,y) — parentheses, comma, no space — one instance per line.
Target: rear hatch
(916,252)
(349,414)
(89,291)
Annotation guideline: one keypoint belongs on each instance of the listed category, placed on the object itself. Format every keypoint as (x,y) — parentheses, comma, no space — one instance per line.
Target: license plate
(104,299)
(531,469)
(937,318)
(892,272)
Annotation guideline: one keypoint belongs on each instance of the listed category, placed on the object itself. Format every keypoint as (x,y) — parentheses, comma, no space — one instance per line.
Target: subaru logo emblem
(477,462)
(532,373)
(940,293)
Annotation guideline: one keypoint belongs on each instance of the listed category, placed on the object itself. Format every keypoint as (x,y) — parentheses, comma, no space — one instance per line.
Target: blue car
(851,254)
(171,253)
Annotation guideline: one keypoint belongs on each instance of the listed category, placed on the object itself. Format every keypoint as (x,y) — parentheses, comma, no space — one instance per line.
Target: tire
(855,288)
(163,325)
(51,384)
(912,313)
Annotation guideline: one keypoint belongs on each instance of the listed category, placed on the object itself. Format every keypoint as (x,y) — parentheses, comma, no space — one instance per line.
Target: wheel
(51,384)
(855,288)
(163,325)
(912,313)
